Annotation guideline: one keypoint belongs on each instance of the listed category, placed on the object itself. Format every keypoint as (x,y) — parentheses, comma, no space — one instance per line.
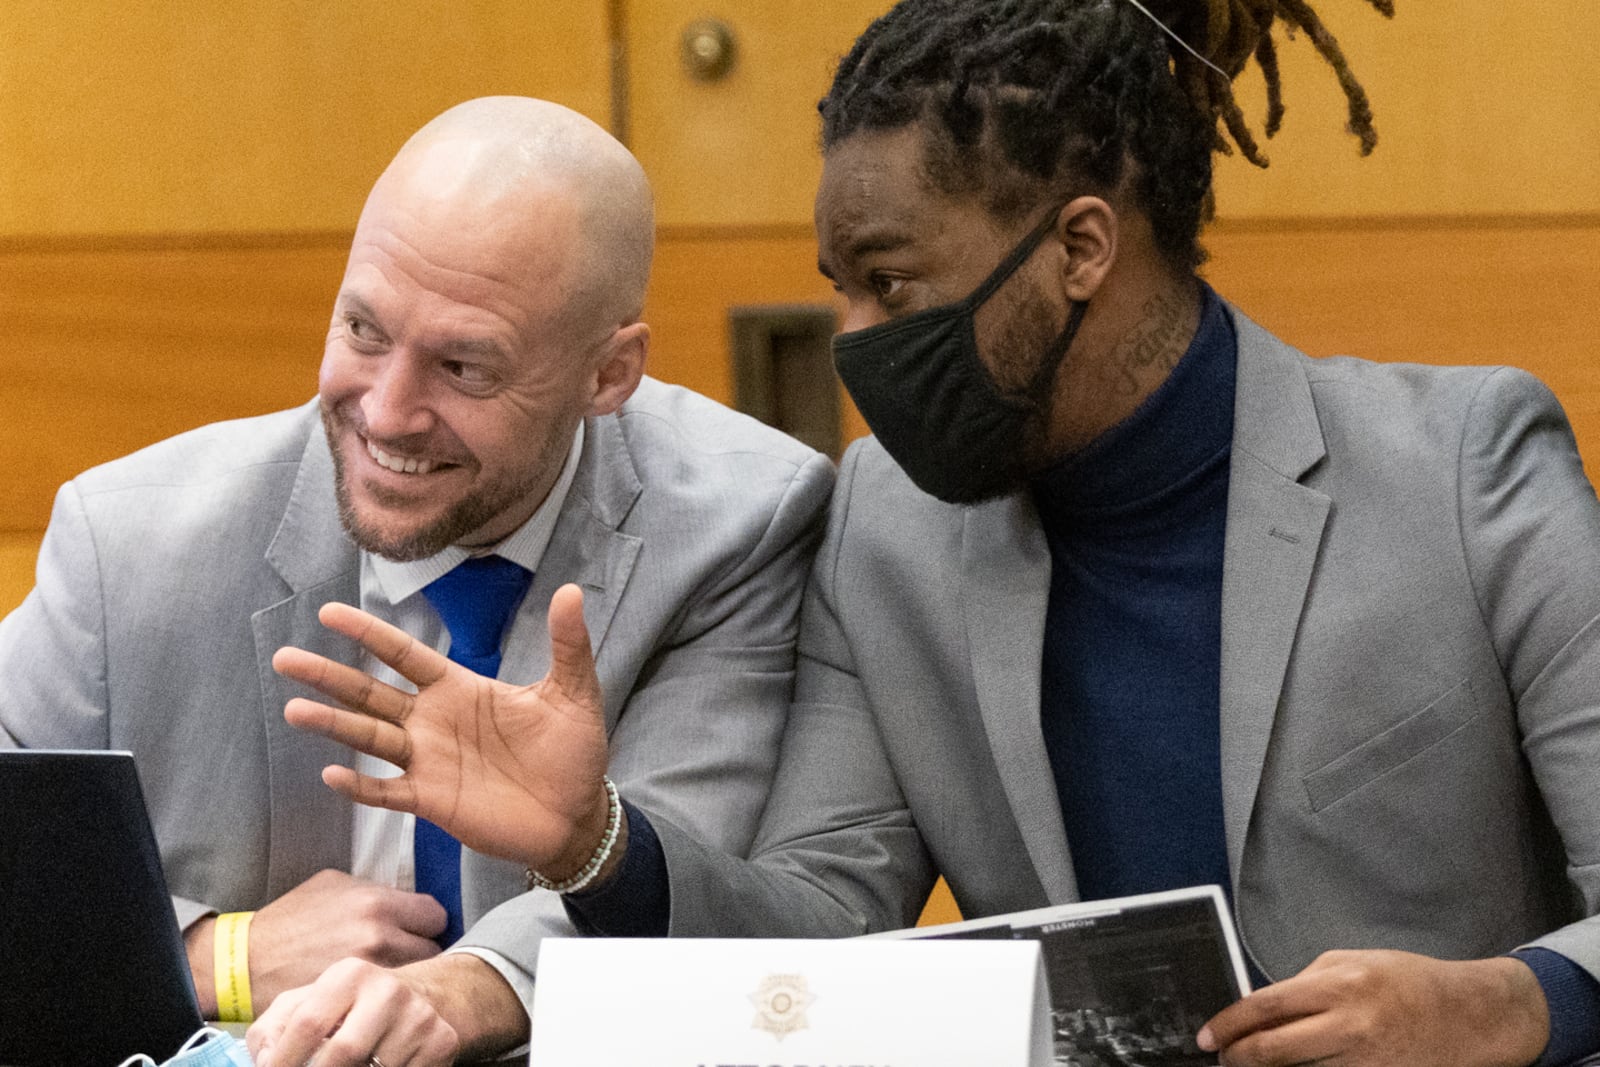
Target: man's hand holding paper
(1361,1008)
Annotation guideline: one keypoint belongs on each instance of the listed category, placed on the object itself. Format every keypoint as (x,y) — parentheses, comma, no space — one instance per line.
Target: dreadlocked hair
(1233,31)
(1019,95)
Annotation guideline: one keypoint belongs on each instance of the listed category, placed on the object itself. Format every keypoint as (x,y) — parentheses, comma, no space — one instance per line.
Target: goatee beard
(419,543)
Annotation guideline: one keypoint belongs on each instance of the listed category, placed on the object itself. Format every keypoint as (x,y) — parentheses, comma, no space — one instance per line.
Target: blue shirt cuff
(634,902)
(1573,995)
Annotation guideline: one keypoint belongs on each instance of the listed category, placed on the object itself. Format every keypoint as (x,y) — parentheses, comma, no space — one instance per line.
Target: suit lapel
(1274,531)
(1006,586)
(587,548)
(310,825)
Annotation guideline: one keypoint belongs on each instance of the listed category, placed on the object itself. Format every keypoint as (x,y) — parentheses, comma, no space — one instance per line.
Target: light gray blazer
(168,579)
(1410,681)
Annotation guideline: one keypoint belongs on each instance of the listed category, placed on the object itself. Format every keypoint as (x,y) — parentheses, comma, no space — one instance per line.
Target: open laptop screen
(92,966)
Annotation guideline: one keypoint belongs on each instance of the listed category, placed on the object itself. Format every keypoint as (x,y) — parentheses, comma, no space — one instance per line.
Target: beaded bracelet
(602,852)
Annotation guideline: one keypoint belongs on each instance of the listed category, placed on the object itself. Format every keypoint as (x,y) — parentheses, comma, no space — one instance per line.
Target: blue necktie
(475,600)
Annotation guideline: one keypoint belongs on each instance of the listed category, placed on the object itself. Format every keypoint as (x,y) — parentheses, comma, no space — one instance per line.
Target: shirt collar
(525,545)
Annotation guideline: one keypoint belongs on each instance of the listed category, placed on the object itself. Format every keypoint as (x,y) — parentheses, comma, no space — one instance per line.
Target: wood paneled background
(178,183)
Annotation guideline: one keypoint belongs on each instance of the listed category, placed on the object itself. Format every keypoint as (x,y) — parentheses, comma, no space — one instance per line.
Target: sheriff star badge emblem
(781,1001)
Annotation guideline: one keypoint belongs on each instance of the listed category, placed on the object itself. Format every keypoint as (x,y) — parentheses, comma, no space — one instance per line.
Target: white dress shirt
(382,840)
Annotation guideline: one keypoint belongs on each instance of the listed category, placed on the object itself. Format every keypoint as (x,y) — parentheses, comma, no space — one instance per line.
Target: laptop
(92,966)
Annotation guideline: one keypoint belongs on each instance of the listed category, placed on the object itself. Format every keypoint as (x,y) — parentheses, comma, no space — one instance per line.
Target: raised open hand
(512,771)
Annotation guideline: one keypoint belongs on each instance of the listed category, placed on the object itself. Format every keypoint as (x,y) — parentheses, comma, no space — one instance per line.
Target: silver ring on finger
(373,1061)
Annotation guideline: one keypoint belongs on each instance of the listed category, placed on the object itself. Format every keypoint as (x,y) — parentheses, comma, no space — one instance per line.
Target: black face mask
(923,390)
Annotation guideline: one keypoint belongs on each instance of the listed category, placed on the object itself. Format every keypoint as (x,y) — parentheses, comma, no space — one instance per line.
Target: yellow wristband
(230,964)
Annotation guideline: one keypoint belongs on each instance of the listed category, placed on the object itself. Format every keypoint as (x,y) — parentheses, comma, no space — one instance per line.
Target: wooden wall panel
(17,554)
(1483,108)
(103,350)
(940,908)
(236,116)
(1516,292)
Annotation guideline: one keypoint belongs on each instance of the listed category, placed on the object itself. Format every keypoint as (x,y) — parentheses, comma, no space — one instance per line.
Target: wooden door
(735,164)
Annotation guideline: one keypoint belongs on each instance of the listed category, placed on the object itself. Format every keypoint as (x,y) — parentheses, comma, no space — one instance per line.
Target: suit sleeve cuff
(1573,996)
(637,900)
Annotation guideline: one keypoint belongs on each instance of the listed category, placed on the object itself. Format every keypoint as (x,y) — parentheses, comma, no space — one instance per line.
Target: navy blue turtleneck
(1129,684)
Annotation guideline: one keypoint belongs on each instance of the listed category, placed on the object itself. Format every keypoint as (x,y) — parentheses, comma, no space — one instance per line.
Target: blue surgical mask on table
(208,1047)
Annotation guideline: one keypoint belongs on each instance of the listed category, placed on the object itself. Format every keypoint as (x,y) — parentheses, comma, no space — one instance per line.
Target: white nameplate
(623,1002)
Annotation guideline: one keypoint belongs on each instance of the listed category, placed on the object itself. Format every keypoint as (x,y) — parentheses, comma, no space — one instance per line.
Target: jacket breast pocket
(1394,747)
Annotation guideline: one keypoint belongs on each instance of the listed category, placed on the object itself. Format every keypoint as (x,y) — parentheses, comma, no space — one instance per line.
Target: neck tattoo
(1149,351)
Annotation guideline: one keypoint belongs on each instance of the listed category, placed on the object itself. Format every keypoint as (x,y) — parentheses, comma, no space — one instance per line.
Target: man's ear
(1087,228)
(620,368)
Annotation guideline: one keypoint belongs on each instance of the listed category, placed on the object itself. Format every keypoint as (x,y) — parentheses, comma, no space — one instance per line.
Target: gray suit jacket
(1410,692)
(168,579)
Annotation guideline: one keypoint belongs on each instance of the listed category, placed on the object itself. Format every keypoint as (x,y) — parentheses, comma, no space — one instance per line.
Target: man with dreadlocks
(1125,594)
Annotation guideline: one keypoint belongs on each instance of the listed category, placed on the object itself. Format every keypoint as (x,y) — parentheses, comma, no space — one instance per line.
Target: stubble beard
(460,521)
(1020,345)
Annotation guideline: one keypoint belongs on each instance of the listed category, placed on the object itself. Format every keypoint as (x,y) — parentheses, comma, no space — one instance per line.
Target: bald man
(482,411)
